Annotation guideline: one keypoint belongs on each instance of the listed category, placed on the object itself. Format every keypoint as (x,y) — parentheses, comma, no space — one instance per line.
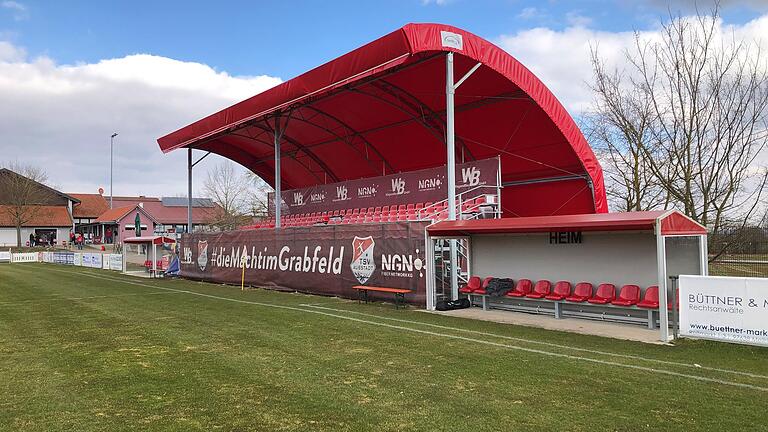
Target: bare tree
(258,196)
(690,110)
(230,190)
(22,194)
(619,127)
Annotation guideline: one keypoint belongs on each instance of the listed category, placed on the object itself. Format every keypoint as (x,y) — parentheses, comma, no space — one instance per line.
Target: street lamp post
(111,143)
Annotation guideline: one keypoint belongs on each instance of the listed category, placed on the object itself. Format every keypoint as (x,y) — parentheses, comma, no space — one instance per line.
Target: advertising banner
(78,259)
(729,309)
(5,256)
(323,260)
(67,258)
(92,260)
(115,262)
(427,185)
(25,257)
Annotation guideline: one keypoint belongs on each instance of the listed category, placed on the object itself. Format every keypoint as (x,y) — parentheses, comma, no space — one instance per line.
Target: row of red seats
(629,295)
(393,213)
(148,265)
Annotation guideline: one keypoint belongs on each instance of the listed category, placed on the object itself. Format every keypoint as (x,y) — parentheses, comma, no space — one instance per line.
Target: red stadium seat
(356,211)
(561,291)
(473,284)
(410,207)
(605,294)
(628,296)
(419,206)
(401,208)
(581,293)
(523,287)
(540,290)
(483,286)
(650,298)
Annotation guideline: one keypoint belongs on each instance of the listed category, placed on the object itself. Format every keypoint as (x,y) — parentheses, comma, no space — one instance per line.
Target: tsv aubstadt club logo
(363,264)
(202,254)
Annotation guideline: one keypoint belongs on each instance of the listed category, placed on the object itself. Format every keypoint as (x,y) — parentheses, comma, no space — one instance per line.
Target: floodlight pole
(278,189)
(111,164)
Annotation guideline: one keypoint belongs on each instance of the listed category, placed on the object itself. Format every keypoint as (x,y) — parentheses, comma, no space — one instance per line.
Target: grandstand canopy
(381,109)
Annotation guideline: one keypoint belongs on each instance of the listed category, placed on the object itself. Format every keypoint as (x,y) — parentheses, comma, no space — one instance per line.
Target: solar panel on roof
(182,202)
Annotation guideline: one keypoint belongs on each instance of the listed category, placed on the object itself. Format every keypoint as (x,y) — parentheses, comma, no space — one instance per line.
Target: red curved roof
(380,109)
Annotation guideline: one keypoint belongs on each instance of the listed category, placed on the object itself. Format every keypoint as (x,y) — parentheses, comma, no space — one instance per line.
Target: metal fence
(739,251)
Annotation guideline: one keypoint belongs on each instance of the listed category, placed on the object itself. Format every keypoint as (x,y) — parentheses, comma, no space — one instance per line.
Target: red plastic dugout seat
(561,291)
(581,293)
(523,287)
(650,299)
(483,286)
(605,294)
(540,290)
(472,284)
(628,296)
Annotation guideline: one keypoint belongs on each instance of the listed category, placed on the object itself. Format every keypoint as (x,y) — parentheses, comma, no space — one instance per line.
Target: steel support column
(278,188)
(450,138)
(661,264)
(189,190)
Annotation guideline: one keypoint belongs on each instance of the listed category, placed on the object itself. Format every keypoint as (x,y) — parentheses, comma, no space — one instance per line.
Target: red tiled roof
(41,216)
(168,215)
(116,214)
(91,205)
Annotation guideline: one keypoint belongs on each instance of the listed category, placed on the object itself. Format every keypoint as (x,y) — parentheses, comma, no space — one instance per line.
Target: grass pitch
(93,350)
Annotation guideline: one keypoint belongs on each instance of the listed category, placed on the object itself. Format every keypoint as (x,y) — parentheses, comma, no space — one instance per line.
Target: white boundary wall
(92,260)
(728,309)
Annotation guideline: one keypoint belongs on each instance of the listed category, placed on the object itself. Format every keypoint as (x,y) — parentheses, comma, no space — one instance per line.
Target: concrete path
(573,325)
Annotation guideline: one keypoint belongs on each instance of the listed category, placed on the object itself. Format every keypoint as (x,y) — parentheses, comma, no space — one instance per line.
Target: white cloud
(60,117)
(575,19)
(437,2)
(561,58)
(529,13)
(19,10)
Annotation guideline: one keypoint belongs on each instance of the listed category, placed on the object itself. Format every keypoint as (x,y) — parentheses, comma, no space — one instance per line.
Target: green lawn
(84,350)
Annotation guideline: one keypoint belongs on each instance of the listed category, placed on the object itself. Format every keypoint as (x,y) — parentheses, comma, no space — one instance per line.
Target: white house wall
(618,258)
(8,235)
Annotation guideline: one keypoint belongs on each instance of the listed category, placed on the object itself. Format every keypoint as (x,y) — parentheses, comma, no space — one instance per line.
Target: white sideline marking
(35,301)
(554,345)
(436,334)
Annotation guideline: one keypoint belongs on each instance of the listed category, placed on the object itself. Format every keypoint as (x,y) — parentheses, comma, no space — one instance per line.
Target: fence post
(675,311)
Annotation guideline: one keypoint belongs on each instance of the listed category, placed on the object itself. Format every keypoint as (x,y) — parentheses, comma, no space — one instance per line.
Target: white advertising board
(78,259)
(25,257)
(5,256)
(115,262)
(729,309)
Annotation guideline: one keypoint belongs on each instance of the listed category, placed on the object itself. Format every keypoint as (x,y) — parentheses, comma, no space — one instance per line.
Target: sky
(72,73)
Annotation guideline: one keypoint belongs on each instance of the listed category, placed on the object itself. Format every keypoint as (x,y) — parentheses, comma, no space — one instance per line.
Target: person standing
(108,236)
(31,239)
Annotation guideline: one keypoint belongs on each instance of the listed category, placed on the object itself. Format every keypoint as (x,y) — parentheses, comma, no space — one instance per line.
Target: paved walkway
(573,325)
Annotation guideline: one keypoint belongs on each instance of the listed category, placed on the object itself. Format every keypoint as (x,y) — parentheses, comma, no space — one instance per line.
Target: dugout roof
(671,222)
(381,109)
